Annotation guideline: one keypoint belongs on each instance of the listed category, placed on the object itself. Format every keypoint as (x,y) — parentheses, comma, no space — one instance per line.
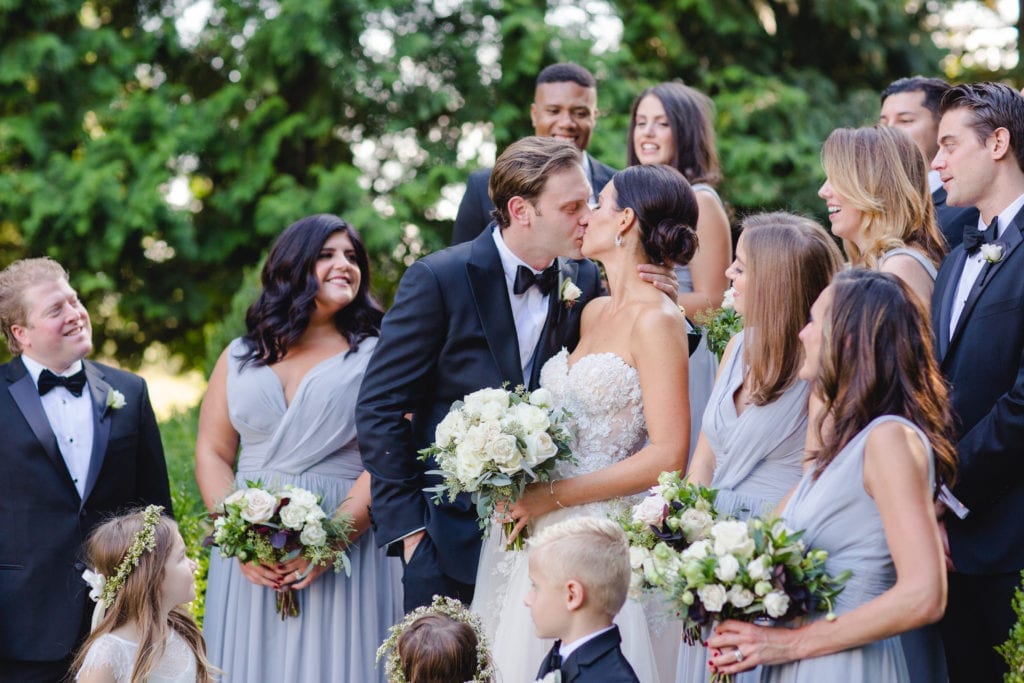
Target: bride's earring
(618,240)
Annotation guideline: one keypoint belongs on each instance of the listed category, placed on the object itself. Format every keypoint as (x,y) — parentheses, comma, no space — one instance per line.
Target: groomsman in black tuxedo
(912,104)
(978,322)
(479,314)
(565,107)
(80,443)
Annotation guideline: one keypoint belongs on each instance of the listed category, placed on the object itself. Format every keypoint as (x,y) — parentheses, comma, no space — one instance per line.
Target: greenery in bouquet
(721,324)
(493,443)
(672,516)
(258,525)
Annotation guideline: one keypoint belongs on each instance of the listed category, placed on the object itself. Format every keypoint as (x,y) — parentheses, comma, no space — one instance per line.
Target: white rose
(776,603)
(236,497)
(712,596)
(469,465)
(541,398)
(697,550)
(732,537)
(740,597)
(449,429)
(637,556)
(505,453)
(727,568)
(650,511)
(758,567)
(301,496)
(539,447)
(293,515)
(259,506)
(493,402)
(729,299)
(313,534)
(695,524)
(473,444)
(314,514)
(531,418)
(570,292)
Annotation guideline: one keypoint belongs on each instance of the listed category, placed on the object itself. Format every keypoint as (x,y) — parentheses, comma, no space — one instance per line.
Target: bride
(629,420)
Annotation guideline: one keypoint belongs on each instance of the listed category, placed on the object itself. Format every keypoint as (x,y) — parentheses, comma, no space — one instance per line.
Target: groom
(80,443)
(479,314)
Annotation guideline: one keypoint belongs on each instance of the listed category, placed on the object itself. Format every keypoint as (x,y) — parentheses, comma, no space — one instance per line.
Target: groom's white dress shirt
(70,417)
(529,309)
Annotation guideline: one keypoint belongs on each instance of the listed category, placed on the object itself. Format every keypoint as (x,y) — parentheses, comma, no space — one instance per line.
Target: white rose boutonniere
(552,677)
(115,399)
(570,293)
(992,252)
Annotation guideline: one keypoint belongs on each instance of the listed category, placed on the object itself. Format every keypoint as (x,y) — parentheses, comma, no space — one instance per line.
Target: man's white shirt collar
(566,650)
(35,368)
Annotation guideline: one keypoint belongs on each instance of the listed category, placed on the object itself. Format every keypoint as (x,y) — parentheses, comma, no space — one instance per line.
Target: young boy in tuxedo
(579,571)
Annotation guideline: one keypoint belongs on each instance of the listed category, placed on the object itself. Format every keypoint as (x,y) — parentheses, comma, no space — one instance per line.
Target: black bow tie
(545,280)
(553,661)
(974,238)
(73,383)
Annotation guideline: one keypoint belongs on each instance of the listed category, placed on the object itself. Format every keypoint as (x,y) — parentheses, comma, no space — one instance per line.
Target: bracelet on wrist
(551,490)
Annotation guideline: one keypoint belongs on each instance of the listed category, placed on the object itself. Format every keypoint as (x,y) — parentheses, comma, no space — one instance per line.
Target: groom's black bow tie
(73,383)
(545,280)
(974,238)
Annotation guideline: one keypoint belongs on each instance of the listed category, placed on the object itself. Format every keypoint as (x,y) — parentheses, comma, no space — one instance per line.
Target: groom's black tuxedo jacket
(43,521)
(475,209)
(449,333)
(984,363)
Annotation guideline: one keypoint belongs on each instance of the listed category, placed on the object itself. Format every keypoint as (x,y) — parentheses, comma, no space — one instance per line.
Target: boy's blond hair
(590,550)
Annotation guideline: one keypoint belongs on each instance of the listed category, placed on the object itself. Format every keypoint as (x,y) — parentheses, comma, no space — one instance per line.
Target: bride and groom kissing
(494,311)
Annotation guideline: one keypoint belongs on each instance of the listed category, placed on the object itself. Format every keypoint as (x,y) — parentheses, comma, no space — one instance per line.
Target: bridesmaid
(285,392)
(752,444)
(881,417)
(880,203)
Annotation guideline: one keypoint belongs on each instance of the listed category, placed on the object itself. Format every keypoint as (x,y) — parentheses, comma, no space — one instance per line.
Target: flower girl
(140,578)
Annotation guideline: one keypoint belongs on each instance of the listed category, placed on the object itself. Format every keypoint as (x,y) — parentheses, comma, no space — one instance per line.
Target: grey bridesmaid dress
(309,443)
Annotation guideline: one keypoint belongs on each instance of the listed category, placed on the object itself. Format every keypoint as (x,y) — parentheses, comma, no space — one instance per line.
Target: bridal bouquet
(666,522)
(256,524)
(493,443)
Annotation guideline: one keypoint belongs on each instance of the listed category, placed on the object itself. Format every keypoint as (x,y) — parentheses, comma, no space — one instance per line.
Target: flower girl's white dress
(178,664)
(602,394)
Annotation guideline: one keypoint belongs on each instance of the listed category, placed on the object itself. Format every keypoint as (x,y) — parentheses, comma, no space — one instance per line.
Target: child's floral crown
(104,590)
(452,608)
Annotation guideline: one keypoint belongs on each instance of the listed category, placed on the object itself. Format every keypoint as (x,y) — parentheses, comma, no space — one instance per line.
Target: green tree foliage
(366,108)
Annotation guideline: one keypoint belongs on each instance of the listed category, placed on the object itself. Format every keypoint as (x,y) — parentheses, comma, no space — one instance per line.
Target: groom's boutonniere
(115,399)
(992,252)
(570,293)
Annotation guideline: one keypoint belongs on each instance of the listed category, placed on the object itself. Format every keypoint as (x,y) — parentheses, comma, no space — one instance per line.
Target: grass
(179,437)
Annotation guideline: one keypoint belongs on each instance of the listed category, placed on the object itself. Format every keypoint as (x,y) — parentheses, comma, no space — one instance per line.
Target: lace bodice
(178,665)
(602,394)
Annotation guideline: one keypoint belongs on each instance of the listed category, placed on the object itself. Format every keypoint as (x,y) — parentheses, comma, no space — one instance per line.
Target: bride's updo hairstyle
(139,598)
(665,209)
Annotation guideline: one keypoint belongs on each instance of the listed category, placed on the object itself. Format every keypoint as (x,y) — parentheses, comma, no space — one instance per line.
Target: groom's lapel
(98,390)
(490,294)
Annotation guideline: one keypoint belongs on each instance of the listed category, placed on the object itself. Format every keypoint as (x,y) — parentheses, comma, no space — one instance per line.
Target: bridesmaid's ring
(739,655)
(297,575)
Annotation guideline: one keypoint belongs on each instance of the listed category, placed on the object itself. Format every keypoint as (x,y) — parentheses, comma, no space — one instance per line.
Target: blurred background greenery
(156,147)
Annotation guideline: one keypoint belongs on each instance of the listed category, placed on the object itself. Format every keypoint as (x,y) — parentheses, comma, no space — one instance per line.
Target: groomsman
(912,104)
(80,443)
(479,314)
(978,322)
(565,107)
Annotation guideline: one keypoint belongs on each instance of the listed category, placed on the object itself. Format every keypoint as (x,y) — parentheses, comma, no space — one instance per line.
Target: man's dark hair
(567,72)
(933,89)
(992,105)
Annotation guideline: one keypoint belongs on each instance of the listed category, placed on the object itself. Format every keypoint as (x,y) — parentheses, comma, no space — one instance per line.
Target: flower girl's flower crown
(104,590)
(451,608)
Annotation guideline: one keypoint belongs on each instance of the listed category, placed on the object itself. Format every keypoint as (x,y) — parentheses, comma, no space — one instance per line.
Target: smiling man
(80,443)
(564,107)
(978,325)
(912,105)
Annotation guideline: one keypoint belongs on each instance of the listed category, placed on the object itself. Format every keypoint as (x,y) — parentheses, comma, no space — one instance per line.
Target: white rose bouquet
(493,443)
(256,524)
(748,571)
(672,516)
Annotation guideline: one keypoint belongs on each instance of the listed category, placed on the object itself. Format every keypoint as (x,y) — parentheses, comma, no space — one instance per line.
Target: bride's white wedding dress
(602,394)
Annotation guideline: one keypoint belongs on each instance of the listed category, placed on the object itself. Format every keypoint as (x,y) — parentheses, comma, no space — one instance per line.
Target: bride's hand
(754,645)
(295,576)
(536,501)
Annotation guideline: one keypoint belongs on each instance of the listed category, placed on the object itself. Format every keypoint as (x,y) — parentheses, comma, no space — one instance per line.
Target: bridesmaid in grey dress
(880,203)
(285,393)
(752,445)
(867,495)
